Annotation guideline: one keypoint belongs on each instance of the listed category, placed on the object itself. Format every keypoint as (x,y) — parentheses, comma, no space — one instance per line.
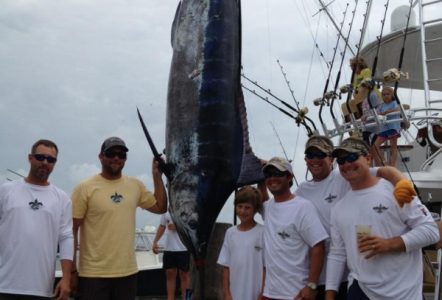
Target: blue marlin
(207,148)
(208,154)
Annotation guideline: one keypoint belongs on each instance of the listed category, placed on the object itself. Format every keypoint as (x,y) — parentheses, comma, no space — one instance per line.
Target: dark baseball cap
(113,141)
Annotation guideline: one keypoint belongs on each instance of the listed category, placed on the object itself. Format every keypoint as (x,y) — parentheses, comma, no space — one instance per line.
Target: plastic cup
(361,231)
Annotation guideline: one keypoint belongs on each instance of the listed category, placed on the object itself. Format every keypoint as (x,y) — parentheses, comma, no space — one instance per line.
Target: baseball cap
(351,145)
(280,163)
(320,142)
(113,141)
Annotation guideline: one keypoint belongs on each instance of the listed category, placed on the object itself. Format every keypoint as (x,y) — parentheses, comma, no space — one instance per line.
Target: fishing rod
(353,72)
(332,94)
(395,74)
(370,83)
(301,113)
(298,119)
(283,150)
(329,72)
(16,173)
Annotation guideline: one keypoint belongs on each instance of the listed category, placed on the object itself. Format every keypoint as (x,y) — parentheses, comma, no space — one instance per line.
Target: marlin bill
(207,148)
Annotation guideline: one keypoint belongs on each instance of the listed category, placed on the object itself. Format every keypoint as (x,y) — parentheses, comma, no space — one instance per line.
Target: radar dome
(399,18)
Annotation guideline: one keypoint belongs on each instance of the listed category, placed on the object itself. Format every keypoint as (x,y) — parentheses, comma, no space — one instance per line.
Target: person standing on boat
(35,218)
(175,257)
(327,187)
(379,239)
(104,211)
(362,73)
(293,238)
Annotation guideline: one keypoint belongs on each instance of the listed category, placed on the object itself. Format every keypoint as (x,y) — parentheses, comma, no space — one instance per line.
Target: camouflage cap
(280,163)
(352,145)
(320,142)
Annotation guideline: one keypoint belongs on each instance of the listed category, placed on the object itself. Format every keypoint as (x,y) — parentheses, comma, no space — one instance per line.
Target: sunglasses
(352,157)
(319,155)
(275,173)
(111,154)
(49,159)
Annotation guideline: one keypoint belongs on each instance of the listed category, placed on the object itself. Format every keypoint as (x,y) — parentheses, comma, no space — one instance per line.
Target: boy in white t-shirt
(242,253)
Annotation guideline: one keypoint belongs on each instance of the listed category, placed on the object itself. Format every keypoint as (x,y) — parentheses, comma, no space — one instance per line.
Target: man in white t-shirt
(175,257)
(326,188)
(379,238)
(293,237)
(35,218)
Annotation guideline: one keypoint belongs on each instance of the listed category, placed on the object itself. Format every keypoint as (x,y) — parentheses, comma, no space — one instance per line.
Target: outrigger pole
(324,8)
(324,100)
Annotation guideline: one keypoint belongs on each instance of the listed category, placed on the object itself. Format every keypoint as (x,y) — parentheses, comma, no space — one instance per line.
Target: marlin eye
(192,224)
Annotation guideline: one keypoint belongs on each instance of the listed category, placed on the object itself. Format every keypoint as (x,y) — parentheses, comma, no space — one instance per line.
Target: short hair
(47,143)
(359,61)
(249,194)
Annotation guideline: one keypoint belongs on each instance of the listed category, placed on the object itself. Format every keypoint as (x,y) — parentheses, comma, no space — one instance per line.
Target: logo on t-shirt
(380,209)
(283,235)
(330,198)
(116,198)
(35,205)
(258,248)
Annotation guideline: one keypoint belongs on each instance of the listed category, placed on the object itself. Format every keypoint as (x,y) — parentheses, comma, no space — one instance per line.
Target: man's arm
(160,232)
(262,187)
(390,174)
(316,262)
(74,270)
(226,283)
(160,207)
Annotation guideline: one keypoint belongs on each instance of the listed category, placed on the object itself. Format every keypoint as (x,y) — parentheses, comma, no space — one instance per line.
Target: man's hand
(63,289)
(306,294)
(404,192)
(374,245)
(155,248)
(171,226)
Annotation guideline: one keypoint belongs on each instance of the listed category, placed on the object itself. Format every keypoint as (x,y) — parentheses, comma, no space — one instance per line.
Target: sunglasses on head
(41,157)
(352,157)
(111,154)
(275,173)
(319,155)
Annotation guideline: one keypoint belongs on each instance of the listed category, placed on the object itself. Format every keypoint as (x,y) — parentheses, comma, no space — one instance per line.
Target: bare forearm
(316,262)
(66,266)
(160,193)
(390,174)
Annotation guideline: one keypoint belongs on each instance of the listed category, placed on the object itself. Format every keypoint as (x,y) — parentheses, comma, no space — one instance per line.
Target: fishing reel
(319,102)
(346,89)
(330,95)
(301,115)
(368,83)
(393,75)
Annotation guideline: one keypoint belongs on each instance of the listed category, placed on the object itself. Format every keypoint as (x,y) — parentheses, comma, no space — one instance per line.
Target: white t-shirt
(243,253)
(291,230)
(173,242)
(324,195)
(388,276)
(33,221)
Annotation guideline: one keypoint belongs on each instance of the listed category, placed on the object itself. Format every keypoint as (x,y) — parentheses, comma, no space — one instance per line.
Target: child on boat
(242,253)
(389,132)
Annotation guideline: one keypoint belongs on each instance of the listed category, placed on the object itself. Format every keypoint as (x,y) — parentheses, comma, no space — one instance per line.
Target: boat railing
(143,240)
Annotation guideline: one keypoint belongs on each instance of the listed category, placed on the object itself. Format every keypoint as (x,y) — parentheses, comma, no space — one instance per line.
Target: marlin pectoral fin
(157,156)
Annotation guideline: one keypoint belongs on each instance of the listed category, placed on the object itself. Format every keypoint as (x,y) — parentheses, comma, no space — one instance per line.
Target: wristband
(73,272)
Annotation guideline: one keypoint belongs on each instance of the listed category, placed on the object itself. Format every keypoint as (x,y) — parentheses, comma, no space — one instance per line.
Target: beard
(40,174)
(113,170)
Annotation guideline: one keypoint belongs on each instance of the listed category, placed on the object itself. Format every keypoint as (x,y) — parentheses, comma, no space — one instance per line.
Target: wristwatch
(312,285)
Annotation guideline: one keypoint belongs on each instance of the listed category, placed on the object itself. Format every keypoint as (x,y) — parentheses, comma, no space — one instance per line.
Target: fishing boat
(151,276)
(415,42)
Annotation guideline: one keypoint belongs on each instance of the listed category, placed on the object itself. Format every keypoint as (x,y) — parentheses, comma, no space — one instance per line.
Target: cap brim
(337,151)
(316,147)
(280,168)
(115,146)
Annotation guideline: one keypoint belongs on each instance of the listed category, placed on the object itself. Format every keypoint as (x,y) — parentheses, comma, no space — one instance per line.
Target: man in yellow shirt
(104,210)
